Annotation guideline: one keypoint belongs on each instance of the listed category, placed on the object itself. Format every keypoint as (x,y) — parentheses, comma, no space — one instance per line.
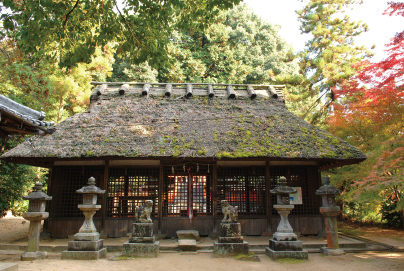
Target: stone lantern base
(231,242)
(332,252)
(32,256)
(284,243)
(286,249)
(276,255)
(85,247)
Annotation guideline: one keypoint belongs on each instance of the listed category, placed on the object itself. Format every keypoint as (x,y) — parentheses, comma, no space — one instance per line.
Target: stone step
(187,244)
(188,234)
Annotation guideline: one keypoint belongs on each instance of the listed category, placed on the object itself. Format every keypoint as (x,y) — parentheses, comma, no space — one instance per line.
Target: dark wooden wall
(305,219)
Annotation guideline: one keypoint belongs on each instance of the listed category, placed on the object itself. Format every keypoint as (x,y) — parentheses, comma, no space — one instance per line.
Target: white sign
(296,198)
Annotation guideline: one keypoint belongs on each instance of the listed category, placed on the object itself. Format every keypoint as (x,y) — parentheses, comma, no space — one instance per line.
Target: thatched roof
(123,123)
(18,119)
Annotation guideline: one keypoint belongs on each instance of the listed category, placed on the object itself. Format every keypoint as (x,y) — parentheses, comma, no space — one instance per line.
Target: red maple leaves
(369,112)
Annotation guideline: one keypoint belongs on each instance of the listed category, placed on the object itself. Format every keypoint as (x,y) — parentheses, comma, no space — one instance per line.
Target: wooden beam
(210,91)
(182,84)
(189,91)
(272,92)
(160,196)
(20,131)
(124,88)
(230,92)
(268,195)
(105,196)
(101,89)
(251,92)
(146,90)
(169,88)
(214,198)
(48,202)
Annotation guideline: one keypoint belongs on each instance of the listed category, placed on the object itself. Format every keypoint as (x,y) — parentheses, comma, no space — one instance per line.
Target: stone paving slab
(8,267)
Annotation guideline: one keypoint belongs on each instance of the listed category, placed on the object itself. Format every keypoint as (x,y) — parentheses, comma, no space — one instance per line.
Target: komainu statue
(230,213)
(143,213)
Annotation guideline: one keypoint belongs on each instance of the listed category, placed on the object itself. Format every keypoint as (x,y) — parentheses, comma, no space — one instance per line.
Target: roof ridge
(188,90)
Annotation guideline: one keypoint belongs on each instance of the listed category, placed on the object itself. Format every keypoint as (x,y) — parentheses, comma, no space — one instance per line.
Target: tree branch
(126,23)
(67,15)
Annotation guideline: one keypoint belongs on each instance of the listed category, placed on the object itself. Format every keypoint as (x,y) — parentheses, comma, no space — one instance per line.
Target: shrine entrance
(187,196)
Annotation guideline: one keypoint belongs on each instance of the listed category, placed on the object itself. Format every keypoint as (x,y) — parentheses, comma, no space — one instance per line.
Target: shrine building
(186,147)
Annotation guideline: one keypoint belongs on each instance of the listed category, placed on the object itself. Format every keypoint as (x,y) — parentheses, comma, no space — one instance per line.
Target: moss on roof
(138,126)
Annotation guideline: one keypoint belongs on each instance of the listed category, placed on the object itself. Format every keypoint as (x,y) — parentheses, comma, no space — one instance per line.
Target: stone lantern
(284,243)
(87,244)
(330,211)
(36,213)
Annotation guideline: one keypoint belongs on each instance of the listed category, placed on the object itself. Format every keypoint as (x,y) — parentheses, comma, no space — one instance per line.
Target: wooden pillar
(48,202)
(160,196)
(215,197)
(105,197)
(320,183)
(268,195)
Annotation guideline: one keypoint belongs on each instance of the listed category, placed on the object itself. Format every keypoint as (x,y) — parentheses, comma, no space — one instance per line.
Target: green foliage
(69,32)
(329,57)
(238,47)
(389,214)
(40,85)
(16,180)
(125,72)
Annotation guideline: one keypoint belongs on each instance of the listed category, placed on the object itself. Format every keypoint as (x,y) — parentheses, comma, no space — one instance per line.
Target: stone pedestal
(330,214)
(230,241)
(142,243)
(145,250)
(284,243)
(87,244)
(188,234)
(33,252)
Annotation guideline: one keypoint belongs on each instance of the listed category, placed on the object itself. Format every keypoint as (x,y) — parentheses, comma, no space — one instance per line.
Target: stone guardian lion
(143,213)
(230,213)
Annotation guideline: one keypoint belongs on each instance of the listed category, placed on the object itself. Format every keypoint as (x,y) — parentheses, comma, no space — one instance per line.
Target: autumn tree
(329,56)
(369,112)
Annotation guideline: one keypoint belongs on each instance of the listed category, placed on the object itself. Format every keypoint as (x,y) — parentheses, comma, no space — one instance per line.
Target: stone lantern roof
(90,188)
(327,189)
(283,188)
(37,194)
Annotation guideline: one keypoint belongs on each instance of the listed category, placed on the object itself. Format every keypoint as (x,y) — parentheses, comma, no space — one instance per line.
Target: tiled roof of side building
(19,119)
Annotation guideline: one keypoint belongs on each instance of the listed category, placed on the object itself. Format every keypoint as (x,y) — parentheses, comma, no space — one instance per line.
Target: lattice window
(131,187)
(175,193)
(304,177)
(243,187)
(65,181)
